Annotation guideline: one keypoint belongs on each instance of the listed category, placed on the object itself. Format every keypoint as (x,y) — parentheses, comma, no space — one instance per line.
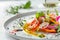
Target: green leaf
(56,12)
(21,6)
(24,20)
(58,28)
(39,14)
(14,10)
(27,5)
(42,13)
(16,7)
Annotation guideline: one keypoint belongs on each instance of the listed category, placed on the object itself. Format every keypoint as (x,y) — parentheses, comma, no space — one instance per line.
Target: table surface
(5,16)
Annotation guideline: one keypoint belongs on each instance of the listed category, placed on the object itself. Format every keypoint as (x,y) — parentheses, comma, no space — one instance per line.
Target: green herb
(42,13)
(21,23)
(39,14)
(21,6)
(41,35)
(24,21)
(56,12)
(58,28)
(27,5)
(15,9)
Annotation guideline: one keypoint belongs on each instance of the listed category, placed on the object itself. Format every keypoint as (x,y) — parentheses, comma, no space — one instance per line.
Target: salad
(46,22)
(39,25)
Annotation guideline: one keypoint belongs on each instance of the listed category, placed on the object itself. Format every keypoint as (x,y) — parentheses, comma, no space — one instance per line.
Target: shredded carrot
(54,21)
(48,30)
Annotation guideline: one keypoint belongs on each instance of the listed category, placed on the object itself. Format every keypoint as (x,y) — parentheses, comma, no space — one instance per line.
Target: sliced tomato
(34,25)
(33,21)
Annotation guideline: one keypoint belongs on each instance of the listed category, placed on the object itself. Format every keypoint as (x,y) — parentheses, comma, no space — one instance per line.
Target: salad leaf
(27,5)
(21,23)
(39,14)
(58,28)
(42,13)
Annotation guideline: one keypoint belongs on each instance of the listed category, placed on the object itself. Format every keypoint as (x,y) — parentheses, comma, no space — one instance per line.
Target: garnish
(27,5)
(58,28)
(15,9)
(39,14)
(22,23)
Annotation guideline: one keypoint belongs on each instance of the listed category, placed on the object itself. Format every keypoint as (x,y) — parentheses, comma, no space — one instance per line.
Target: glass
(51,3)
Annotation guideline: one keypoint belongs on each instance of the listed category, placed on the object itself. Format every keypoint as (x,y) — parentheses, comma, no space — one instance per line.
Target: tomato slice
(34,25)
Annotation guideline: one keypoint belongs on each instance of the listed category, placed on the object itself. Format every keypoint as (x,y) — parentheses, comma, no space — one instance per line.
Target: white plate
(21,35)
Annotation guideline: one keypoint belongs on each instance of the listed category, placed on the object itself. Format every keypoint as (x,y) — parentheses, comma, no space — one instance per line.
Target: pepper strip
(48,30)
